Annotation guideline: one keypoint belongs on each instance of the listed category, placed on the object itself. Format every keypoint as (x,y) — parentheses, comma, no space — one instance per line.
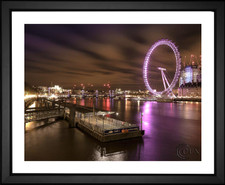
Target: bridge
(37,115)
(44,109)
(28,102)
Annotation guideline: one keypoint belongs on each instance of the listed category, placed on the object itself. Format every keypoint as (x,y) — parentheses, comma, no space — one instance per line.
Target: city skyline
(97,54)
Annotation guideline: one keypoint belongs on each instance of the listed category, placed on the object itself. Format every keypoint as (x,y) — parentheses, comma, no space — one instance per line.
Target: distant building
(55,90)
(66,91)
(190,81)
(43,89)
(119,91)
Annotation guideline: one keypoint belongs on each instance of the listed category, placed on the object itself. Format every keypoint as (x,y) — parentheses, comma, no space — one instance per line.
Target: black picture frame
(6,91)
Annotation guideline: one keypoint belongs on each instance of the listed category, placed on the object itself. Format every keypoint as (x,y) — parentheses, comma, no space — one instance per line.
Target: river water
(172,133)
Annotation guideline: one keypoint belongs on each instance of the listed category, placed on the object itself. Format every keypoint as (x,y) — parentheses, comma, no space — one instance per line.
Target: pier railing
(105,125)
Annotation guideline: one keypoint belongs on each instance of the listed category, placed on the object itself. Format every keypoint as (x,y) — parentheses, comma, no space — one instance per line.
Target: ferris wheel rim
(147,61)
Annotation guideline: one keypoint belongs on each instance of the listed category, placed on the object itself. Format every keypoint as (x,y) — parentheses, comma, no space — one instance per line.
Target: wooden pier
(104,128)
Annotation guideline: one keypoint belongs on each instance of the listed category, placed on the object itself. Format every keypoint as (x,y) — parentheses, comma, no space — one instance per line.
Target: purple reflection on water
(146,117)
(96,102)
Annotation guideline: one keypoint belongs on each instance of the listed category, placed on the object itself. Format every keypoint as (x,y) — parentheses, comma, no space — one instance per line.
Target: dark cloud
(68,54)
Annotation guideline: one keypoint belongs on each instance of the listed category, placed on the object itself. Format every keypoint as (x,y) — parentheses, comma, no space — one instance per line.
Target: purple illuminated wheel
(167,86)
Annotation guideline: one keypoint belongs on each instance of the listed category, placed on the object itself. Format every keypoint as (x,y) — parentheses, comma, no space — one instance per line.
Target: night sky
(96,54)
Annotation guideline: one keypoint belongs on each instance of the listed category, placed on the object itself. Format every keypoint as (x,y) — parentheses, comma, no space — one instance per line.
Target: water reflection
(146,117)
(111,102)
(138,105)
(74,101)
(82,102)
(96,102)
(119,150)
(106,104)
(166,126)
(38,124)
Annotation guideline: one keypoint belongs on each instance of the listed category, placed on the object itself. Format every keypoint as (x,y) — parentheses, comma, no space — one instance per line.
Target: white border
(206,19)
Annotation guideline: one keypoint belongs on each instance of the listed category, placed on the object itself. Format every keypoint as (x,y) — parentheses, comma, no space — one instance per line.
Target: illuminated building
(67,92)
(43,89)
(119,91)
(111,93)
(55,90)
(190,82)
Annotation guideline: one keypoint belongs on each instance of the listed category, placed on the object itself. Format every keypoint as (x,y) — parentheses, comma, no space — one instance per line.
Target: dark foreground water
(172,132)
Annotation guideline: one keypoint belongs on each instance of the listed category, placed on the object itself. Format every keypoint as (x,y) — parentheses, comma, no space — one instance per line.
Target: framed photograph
(115,92)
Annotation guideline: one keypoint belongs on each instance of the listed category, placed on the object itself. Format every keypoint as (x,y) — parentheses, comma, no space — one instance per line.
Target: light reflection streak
(127,109)
(171,106)
(112,102)
(82,102)
(74,100)
(96,102)
(146,118)
(126,104)
(106,104)
(138,104)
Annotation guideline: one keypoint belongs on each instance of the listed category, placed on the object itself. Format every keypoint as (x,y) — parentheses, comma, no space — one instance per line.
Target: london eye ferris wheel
(168,86)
